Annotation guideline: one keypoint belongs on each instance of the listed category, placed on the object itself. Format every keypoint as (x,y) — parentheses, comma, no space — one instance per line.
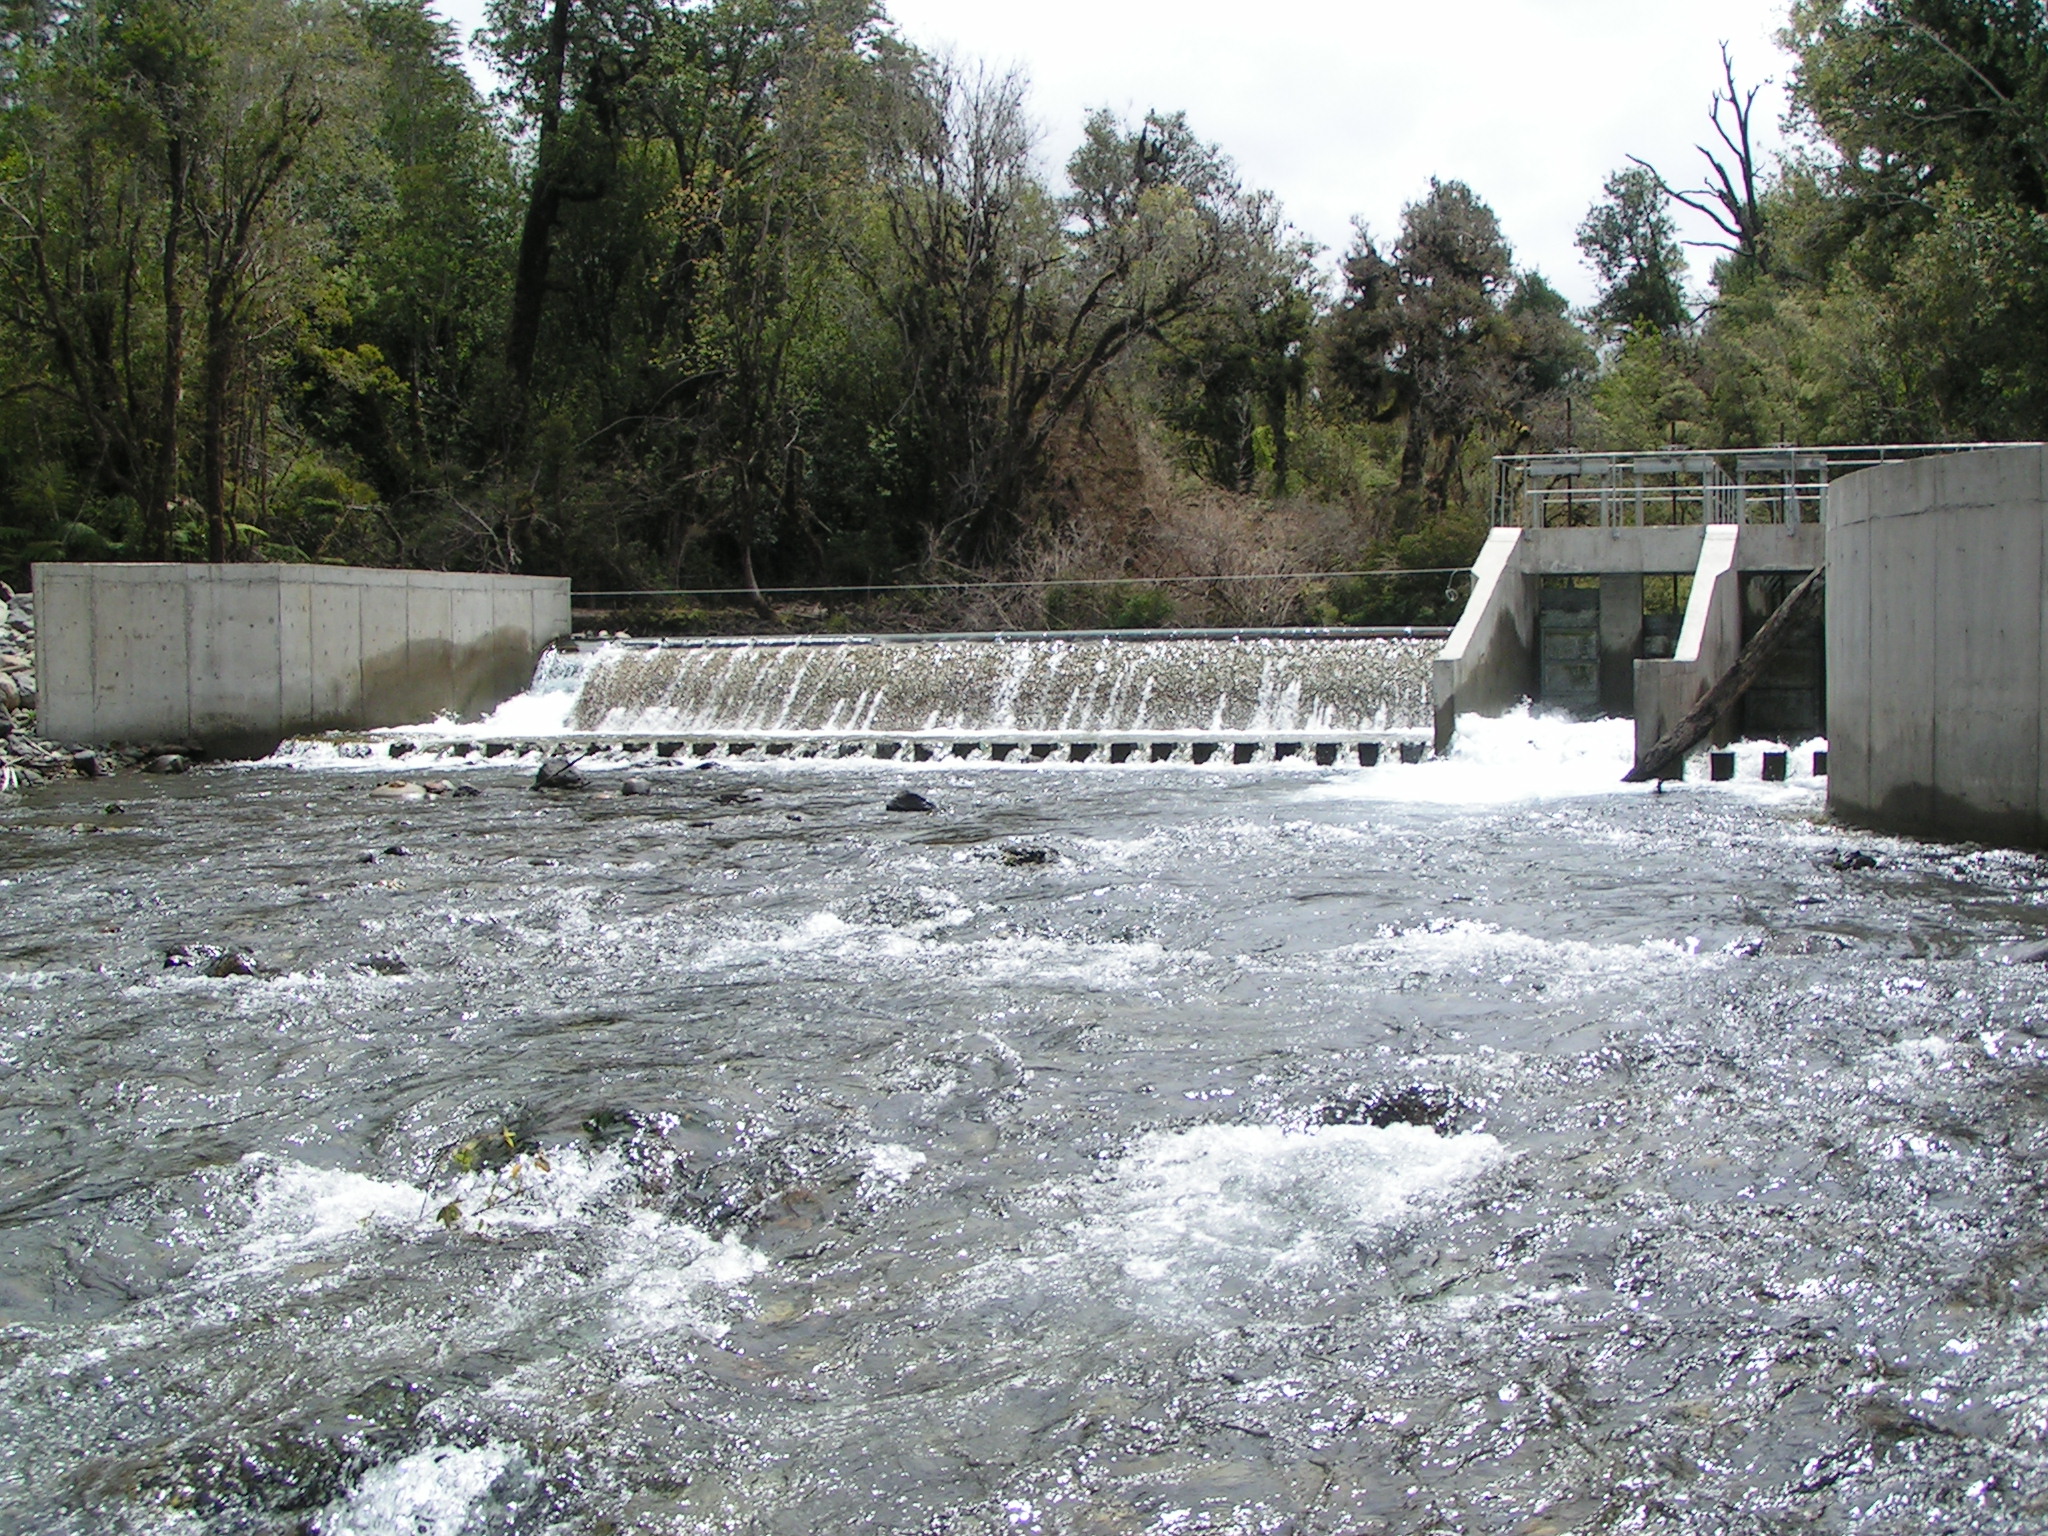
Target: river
(1466,1146)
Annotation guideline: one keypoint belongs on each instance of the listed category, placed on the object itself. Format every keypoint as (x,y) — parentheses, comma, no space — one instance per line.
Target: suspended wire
(1015,584)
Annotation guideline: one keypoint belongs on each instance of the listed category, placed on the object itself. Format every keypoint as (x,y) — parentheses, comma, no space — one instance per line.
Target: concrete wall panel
(1709,641)
(1848,636)
(237,667)
(141,660)
(236,657)
(335,653)
(64,665)
(1937,650)
(1903,556)
(1489,663)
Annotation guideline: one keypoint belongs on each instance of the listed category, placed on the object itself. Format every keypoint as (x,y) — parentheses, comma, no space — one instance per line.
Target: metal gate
(1568,648)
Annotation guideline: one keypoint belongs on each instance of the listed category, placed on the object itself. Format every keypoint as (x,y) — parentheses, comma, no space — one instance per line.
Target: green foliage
(1648,394)
(1632,245)
(1445,336)
(1146,608)
(746,294)
(1436,597)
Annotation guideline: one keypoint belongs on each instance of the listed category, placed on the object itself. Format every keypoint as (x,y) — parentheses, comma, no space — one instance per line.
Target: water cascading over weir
(1326,696)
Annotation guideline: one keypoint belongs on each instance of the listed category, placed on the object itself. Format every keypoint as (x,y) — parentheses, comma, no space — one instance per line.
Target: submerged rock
(198,956)
(1018,857)
(637,786)
(168,762)
(560,773)
(385,965)
(911,800)
(233,963)
(464,792)
(1433,1107)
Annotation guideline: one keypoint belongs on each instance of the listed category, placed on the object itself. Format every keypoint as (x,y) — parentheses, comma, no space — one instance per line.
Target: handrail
(1684,486)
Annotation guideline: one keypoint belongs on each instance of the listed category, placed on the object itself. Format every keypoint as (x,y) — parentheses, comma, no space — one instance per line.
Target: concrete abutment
(236,658)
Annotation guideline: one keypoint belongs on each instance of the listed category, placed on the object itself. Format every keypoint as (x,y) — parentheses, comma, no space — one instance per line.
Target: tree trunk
(1276,422)
(162,482)
(1408,493)
(754,594)
(215,377)
(536,235)
(1672,746)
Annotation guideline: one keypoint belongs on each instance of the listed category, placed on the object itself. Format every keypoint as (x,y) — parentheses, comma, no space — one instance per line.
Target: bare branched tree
(1729,199)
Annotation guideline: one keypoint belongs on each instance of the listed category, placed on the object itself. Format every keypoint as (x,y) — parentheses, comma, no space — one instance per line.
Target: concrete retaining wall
(1709,640)
(1935,646)
(238,657)
(1488,666)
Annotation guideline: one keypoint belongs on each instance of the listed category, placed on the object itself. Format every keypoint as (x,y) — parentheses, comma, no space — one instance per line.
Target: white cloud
(1347,109)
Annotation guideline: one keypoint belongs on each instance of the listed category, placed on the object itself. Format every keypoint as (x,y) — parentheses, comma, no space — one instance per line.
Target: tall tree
(1631,244)
(1429,335)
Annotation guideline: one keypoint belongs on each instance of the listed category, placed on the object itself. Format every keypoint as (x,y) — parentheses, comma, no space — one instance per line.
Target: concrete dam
(1617,585)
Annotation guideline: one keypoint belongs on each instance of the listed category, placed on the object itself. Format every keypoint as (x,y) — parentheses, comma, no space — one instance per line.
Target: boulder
(464,792)
(399,789)
(233,963)
(560,773)
(636,785)
(911,800)
(168,762)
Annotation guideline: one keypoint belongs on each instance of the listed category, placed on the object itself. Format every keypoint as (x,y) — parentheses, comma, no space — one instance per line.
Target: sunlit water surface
(1473,1146)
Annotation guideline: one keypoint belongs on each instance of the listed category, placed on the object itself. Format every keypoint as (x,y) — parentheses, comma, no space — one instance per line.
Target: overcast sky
(1347,107)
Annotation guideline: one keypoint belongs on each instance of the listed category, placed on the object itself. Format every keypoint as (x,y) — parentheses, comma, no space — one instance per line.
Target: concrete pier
(1938,686)
(235,658)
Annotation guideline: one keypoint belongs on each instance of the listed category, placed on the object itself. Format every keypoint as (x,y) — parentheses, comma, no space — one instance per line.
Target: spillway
(1330,693)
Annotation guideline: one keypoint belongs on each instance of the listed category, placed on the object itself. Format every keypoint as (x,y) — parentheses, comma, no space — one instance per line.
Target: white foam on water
(434,1492)
(1521,756)
(667,1278)
(917,947)
(1526,756)
(1190,1207)
(1467,947)
(893,1161)
(298,1210)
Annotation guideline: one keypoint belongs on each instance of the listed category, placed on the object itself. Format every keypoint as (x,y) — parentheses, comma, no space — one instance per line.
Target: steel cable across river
(1471,1145)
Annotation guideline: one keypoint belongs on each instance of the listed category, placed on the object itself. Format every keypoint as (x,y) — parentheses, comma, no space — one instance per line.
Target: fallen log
(1671,747)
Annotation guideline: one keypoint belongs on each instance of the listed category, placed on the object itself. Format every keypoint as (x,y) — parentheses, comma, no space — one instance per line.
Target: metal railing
(1679,487)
